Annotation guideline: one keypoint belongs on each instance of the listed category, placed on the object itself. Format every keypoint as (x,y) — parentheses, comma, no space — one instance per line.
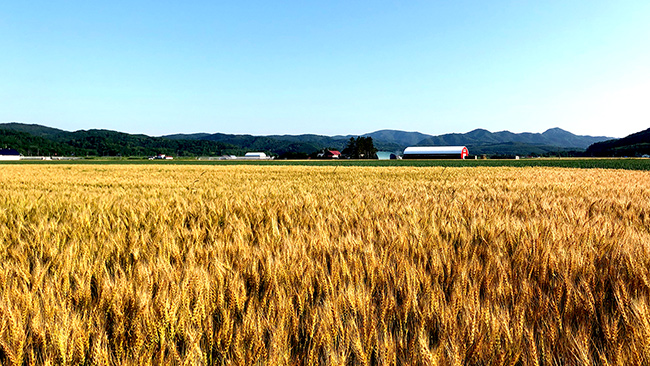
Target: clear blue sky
(327,67)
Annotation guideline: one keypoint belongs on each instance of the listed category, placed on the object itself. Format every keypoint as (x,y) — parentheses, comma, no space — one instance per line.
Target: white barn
(435,152)
(9,154)
(256,155)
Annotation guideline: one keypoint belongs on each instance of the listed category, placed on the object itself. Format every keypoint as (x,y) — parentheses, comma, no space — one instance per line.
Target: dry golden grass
(108,265)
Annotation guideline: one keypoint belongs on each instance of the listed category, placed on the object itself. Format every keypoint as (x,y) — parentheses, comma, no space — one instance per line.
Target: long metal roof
(434,150)
(255,154)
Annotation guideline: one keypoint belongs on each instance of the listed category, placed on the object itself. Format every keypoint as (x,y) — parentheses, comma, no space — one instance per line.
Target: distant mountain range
(31,139)
(478,141)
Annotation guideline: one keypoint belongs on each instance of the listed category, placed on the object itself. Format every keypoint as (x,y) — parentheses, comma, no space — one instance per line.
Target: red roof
(333,152)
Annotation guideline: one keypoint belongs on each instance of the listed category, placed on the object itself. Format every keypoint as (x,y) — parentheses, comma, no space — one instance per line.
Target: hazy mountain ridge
(480,141)
(35,130)
(401,138)
(32,139)
(479,137)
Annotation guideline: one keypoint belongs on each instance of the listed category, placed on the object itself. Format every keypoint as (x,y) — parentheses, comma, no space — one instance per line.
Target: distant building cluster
(247,156)
(161,157)
(412,152)
(13,154)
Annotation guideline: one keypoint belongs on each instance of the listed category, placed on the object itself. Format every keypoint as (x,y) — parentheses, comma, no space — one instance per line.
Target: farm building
(161,156)
(256,156)
(435,152)
(332,154)
(247,156)
(9,154)
(329,154)
(386,155)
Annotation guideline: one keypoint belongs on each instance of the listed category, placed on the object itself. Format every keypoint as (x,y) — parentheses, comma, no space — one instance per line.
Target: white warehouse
(9,154)
(435,152)
(256,156)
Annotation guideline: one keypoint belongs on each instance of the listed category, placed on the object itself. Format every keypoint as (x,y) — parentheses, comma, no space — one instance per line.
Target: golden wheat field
(271,265)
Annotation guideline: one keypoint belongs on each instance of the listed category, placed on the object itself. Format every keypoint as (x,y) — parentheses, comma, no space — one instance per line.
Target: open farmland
(323,265)
(583,163)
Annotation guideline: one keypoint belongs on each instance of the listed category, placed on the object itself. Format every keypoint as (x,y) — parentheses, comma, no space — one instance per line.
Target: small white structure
(9,154)
(161,157)
(247,156)
(386,155)
(35,158)
(255,155)
(436,152)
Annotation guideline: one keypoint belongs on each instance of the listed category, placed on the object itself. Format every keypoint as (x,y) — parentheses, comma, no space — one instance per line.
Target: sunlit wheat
(287,265)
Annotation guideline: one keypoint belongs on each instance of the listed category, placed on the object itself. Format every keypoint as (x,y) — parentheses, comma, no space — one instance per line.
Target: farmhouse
(332,154)
(9,154)
(329,154)
(435,152)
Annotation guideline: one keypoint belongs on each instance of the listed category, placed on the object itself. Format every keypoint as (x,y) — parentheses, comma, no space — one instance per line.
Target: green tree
(360,148)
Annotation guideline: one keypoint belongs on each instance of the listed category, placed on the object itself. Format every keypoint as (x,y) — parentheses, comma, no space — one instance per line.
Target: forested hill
(636,144)
(40,140)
